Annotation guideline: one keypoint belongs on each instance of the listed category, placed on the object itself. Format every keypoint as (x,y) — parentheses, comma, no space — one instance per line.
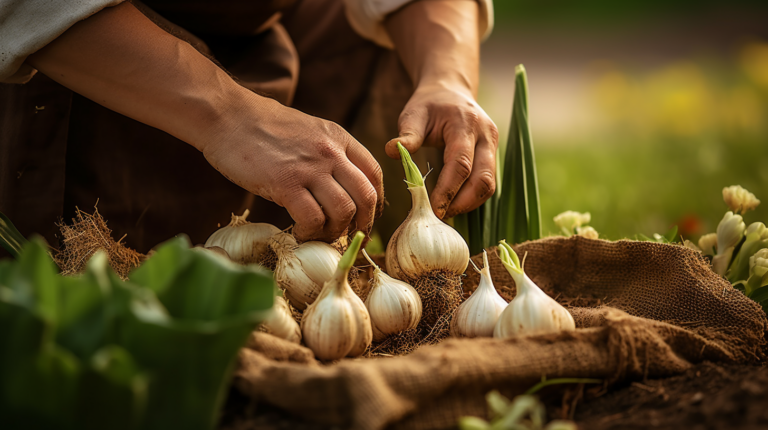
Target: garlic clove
(337,324)
(532,311)
(477,316)
(280,322)
(393,305)
(244,241)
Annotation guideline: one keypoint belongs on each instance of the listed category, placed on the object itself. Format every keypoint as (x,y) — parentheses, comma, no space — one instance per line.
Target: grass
(648,186)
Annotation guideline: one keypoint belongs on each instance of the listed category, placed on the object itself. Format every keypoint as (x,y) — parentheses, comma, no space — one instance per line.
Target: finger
(481,183)
(412,127)
(306,213)
(458,157)
(338,207)
(361,191)
(370,168)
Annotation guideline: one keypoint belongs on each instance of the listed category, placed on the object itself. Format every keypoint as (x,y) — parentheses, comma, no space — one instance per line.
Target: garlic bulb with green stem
(532,311)
(394,306)
(477,316)
(245,242)
(337,324)
(423,244)
(280,322)
(302,269)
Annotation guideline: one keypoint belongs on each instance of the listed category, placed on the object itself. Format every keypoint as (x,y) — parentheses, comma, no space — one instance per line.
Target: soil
(707,397)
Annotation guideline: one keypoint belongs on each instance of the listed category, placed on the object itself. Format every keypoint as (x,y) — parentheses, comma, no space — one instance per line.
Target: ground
(706,397)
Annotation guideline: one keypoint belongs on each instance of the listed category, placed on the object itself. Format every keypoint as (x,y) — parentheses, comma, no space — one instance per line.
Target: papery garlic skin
(532,311)
(303,269)
(337,324)
(280,322)
(739,200)
(477,316)
(393,305)
(729,233)
(244,241)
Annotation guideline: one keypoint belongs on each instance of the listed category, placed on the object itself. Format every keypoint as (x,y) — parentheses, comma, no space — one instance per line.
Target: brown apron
(59,150)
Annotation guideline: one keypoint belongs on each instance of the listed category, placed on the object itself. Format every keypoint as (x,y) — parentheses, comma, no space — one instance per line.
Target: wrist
(446,83)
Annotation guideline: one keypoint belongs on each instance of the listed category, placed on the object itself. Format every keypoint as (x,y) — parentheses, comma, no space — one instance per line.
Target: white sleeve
(367,16)
(28,25)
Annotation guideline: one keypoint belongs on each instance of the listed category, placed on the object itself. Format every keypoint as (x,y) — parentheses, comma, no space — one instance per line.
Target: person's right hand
(324,177)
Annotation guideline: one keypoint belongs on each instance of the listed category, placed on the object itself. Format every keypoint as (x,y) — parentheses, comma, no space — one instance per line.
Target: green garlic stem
(348,259)
(412,173)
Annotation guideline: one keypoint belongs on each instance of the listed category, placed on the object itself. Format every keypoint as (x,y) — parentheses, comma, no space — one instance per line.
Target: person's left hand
(442,116)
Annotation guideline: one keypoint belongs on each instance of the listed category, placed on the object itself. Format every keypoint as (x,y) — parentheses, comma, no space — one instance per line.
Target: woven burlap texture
(642,310)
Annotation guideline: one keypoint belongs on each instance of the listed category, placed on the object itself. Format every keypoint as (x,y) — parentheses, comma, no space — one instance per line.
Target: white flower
(739,199)
(588,232)
(758,229)
(758,263)
(707,243)
(569,220)
(729,233)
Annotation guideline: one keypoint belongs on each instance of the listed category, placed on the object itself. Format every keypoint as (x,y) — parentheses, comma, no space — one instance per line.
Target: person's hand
(449,117)
(325,178)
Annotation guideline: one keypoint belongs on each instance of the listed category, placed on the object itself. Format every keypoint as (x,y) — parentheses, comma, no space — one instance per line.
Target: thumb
(412,128)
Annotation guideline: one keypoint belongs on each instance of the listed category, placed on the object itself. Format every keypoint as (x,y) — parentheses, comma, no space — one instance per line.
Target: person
(174,113)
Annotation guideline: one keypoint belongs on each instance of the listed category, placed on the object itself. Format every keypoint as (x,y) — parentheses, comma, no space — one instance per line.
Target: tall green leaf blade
(10,237)
(529,163)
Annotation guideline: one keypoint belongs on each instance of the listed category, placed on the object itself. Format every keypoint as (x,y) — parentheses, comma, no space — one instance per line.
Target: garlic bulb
(532,311)
(244,241)
(423,243)
(394,306)
(280,322)
(303,269)
(337,324)
(477,316)
(215,250)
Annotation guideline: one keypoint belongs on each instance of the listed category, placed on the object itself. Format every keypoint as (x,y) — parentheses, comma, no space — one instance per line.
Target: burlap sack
(642,310)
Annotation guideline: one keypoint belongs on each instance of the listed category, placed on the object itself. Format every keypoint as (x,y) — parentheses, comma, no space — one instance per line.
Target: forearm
(122,60)
(438,42)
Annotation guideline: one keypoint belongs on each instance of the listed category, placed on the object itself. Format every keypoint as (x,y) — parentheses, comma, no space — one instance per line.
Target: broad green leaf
(113,392)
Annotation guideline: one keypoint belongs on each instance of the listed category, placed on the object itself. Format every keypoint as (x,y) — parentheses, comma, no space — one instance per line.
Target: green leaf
(10,238)
(671,235)
(214,305)
(473,423)
(412,173)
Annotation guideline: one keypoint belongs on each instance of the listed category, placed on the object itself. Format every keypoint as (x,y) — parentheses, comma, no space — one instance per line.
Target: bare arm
(122,60)
(439,44)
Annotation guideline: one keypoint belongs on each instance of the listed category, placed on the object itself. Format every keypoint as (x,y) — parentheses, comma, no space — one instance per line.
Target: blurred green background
(641,111)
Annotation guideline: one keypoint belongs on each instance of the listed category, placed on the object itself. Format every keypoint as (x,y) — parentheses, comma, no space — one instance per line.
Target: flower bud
(707,243)
(729,232)
(758,263)
(588,232)
(739,199)
(569,220)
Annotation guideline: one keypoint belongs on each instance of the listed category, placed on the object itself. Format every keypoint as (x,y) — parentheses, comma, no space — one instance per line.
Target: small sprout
(739,200)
